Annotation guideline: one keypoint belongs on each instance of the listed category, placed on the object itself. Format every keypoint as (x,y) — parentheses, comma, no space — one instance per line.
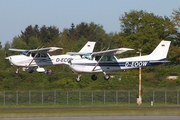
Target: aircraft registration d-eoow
(28,59)
(105,61)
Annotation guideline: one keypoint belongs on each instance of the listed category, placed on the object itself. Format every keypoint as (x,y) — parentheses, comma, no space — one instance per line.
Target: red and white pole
(139,101)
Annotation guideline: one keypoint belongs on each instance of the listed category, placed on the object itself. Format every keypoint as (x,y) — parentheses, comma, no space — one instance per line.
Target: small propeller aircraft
(28,59)
(105,61)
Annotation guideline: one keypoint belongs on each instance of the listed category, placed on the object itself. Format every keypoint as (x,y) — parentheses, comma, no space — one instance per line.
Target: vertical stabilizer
(161,51)
(88,47)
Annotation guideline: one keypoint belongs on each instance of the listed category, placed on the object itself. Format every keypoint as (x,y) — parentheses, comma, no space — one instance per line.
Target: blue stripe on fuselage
(134,64)
(116,64)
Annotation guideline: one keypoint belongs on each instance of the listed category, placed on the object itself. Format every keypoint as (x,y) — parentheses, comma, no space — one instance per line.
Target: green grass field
(68,111)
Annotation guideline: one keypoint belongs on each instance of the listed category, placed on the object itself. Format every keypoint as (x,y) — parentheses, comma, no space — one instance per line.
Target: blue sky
(16,15)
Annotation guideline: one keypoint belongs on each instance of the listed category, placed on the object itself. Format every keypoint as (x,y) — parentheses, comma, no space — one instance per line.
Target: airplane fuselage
(92,66)
(23,60)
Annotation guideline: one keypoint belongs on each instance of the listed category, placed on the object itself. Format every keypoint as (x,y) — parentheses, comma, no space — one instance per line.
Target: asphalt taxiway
(101,118)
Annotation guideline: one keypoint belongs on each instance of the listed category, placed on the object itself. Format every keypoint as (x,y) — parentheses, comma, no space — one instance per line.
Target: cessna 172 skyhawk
(105,61)
(28,59)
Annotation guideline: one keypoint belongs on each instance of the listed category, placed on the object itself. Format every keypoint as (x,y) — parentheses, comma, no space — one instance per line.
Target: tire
(106,77)
(77,79)
(94,77)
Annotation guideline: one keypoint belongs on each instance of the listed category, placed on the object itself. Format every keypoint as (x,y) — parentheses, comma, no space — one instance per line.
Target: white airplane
(28,59)
(105,61)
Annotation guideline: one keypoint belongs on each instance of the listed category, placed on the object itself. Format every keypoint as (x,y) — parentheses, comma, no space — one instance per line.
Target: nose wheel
(78,78)
(17,71)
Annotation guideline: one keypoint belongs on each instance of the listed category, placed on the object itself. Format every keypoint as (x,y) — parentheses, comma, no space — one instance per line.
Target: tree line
(138,30)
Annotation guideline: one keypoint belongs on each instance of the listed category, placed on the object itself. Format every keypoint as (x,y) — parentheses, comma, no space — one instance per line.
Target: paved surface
(101,118)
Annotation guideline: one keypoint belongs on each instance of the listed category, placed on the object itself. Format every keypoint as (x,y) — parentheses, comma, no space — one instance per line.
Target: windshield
(87,56)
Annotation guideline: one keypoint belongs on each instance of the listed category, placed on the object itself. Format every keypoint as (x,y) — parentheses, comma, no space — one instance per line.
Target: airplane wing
(43,50)
(112,51)
(109,53)
(76,53)
(40,50)
(17,50)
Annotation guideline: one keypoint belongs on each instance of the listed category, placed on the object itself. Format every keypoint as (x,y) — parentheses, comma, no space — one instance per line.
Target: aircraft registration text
(136,64)
(63,59)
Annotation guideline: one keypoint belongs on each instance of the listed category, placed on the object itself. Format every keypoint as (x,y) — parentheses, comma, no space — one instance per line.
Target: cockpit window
(87,56)
(105,58)
(39,55)
(111,58)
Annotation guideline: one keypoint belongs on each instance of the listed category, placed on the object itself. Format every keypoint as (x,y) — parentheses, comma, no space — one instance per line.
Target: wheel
(106,77)
(30,70)
(78,79)
(17,71)
(94,77)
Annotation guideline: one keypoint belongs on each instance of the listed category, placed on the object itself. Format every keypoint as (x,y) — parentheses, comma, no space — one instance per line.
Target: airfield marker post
(139,99)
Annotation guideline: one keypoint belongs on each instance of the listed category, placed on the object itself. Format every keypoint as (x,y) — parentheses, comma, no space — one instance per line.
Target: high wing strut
(97,63)
(33,59)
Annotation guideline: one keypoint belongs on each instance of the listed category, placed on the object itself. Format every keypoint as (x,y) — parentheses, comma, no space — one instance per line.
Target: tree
(0,45)
(19,43)
(176,20)
(87,32)
(30,32)
(48,34)
(143,30)
(34,43)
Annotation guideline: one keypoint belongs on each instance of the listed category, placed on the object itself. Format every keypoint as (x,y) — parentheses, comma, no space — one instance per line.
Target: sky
(16,15)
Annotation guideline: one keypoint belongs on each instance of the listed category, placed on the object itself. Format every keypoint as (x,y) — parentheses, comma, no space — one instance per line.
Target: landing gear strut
(78,78)
(17,71)
(106,76)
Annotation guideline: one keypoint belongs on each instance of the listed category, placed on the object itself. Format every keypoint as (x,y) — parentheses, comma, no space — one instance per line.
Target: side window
(111,58)
(43,55)
(97,58)
(33,54)
(105,58)
(39,55)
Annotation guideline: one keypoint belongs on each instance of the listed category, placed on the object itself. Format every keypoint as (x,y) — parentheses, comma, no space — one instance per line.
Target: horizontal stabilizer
(159,61)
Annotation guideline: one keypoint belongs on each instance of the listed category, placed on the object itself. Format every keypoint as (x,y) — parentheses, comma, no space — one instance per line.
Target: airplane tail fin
(161,51)
(88,47)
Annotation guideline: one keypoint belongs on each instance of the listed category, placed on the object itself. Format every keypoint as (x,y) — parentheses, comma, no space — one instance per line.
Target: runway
(101,118)
(91,113)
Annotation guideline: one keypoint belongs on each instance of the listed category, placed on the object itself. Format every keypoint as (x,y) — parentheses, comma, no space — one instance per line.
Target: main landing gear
(78,78)
(106,76)
(94,77)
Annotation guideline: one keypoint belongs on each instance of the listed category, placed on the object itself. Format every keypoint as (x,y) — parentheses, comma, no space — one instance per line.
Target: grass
(82,111)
